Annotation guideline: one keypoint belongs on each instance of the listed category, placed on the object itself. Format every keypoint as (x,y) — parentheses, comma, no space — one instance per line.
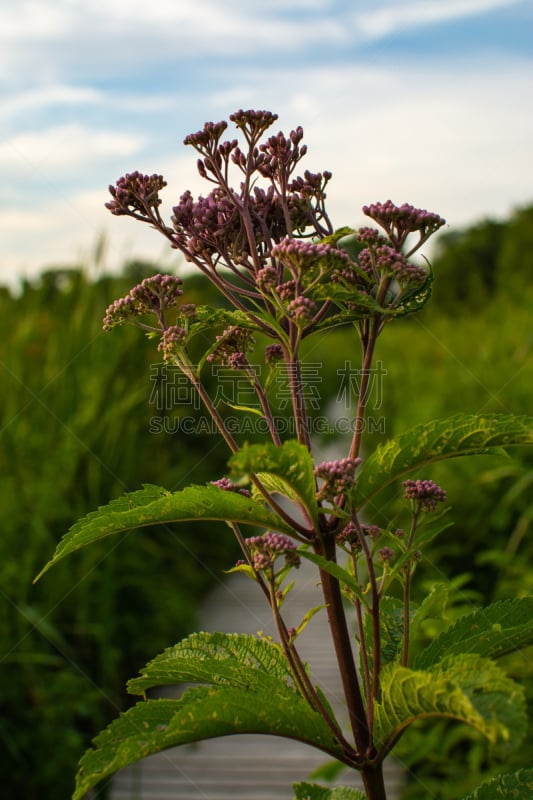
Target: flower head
(349,535)
(301,257)
(266,549)
(273,353)
(135,192)
(253,123)
(232,346)
(426,494)
(337,476)
(400,221)
(228,486)
(173,338)
(152,296)
(386,555)
(301,309)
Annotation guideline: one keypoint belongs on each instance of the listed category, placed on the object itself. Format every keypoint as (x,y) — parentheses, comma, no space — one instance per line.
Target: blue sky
(423,101)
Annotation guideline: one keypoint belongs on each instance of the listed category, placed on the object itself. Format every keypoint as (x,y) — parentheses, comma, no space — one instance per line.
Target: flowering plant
(287,274)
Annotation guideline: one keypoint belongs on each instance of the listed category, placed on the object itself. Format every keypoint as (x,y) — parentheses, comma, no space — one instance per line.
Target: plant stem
(372,775)
(294,374)
(407,593)
(300,675)
(369,344)
(343,649)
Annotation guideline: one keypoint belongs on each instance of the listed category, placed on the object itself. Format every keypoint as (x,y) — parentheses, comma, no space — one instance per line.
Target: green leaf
(414,300)
(312,791)
(467,688)
(391,628)
(208,318)
(153,505)
(201,713)
(332,568)
(287,469)
(432,610)
(493,631)
(460,435)
(514,784)
(239,660)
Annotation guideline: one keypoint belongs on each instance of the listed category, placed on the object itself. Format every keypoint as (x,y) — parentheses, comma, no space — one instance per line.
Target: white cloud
(47,97)
(34,19)
(452,136)
(396,16)
(85,37)
(64,148)
(436,139)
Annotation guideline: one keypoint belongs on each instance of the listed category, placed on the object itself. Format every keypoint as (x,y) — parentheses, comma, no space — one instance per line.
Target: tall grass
(74,432)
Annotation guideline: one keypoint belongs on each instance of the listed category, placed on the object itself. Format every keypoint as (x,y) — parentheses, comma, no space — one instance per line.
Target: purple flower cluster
(280,154)
(426,494)
(301,309)
(267,278)
(337,477)
(349,536)
(389,261)
(253,123)
(312,184)
(210,133)
(228,486)
(273,353)
(400,221)
(386,555)
(265,549)
(372,531)
(300,256)
(253,238)
(172,339)
(152,296)
(135,192)
(236,228)
(232,346)
(207,225)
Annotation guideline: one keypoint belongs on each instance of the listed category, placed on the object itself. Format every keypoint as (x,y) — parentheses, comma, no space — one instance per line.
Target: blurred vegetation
(75,432)
(75,417)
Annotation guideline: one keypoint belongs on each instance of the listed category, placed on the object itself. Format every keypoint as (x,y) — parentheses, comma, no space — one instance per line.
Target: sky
(428,102)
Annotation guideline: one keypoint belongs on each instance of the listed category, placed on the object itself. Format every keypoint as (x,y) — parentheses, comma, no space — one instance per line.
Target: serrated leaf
(239,660)
(460,435)
(415,300)
(291,467)
(468,688)
(493,631)
(201,713)
(518,785)
(153,505)
(391,628)
(338,293)
(207,318)
(313,791)
(352,245)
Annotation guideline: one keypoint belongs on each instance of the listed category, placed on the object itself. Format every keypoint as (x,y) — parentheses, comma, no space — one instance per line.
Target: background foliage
(74,421)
